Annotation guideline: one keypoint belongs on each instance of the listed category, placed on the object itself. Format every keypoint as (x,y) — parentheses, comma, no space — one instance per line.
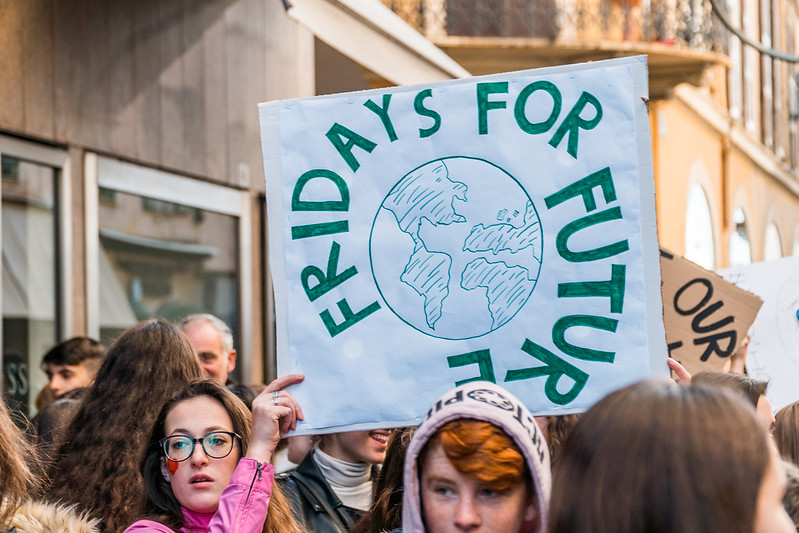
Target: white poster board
(773,353)
(499,227)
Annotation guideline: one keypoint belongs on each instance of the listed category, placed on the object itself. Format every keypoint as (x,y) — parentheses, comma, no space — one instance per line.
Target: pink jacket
(242,507)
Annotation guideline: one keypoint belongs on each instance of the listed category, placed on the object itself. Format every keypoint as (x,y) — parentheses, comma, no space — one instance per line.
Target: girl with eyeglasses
(206,466)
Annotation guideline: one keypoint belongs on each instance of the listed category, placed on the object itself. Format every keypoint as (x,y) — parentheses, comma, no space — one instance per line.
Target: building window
(699,243)
(772,249)
(740,250)
(168,246)
(31,279)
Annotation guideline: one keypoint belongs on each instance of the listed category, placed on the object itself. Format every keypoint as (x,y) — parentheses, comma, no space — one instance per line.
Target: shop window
(31,275)
(168,247)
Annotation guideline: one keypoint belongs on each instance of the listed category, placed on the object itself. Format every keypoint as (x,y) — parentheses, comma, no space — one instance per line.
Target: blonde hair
(17,478)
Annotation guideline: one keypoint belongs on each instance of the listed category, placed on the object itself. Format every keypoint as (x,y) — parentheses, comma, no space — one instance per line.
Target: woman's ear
(532,520)
(165,471)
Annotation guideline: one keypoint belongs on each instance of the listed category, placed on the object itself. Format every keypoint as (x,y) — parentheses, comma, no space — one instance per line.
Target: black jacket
(316,506)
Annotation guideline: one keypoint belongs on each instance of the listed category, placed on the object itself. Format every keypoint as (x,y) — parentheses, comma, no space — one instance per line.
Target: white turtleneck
(351,482)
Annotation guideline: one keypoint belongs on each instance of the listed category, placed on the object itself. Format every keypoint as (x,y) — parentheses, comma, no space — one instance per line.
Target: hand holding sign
(498,228)
(705,316)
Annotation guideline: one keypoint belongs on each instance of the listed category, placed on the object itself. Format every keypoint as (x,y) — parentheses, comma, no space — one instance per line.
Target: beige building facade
(723,113)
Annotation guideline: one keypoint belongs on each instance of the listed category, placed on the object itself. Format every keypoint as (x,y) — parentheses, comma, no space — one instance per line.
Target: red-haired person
(478,463)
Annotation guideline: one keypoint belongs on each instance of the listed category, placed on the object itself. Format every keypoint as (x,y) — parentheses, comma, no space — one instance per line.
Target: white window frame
(58,158)
(135,179)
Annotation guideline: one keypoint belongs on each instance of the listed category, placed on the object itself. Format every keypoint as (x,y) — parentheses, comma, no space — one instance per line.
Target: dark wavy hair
(786,432)
(752,388)
(684,459)
(97,464)
(159,502)
(385,514)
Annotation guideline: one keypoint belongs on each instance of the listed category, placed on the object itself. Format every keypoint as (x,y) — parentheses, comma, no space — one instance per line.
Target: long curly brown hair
(97,465)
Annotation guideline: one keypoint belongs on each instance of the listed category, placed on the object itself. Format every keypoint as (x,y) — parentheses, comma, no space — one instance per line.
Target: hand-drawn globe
(456,248)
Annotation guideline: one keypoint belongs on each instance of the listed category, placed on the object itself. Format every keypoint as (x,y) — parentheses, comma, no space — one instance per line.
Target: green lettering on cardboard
(584,187)
(350,318)
(482,358)
(343,204)
(316,230)
(521,104)
(574,122)
(562,240)
(612,289)
(337,133)
(418,106)
(484,105)
(325,282)
(382,112)
(554,368)
(587,321)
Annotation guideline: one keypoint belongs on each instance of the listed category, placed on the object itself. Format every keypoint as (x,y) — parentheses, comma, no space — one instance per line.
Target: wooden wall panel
(215,89)
(94,118)
(193,80)
(12,17)
(171,85)
(38,84)
(235,17)
(121,102)
(289,56)
(69,55)
(256,90)
(146,90)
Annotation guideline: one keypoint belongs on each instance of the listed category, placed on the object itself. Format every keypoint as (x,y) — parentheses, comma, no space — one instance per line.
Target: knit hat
(485,401)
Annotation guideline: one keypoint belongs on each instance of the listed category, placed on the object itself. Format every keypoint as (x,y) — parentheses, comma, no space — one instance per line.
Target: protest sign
(498,228)
(706,317)
(773,353)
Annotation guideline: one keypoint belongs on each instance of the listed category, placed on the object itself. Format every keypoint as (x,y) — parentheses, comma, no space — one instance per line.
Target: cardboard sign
(705,316)
(498,228)
(773,353)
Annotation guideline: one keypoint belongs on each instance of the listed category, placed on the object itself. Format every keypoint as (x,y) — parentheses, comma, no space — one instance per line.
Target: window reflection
(29,277)
(164,259)
(772,249)
(699,246)
(740,250)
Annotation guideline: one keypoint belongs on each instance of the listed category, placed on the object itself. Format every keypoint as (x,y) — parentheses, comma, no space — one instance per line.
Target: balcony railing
(679,23)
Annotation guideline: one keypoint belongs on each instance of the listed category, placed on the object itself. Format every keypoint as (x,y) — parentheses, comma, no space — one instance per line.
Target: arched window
(772,249)
(740,250)
(699,245)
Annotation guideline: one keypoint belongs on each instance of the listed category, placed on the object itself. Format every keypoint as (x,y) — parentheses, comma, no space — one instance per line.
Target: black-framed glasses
(216,444)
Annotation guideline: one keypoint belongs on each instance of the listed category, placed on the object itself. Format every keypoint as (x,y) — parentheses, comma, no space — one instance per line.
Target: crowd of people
(154,436)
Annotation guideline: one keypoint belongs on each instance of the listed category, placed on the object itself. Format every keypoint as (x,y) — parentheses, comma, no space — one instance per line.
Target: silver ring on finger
(275,401)
(276,394)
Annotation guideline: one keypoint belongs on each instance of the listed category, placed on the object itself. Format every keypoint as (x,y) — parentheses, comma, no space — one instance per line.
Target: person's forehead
(55,367)
(203,331)
(201,411)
